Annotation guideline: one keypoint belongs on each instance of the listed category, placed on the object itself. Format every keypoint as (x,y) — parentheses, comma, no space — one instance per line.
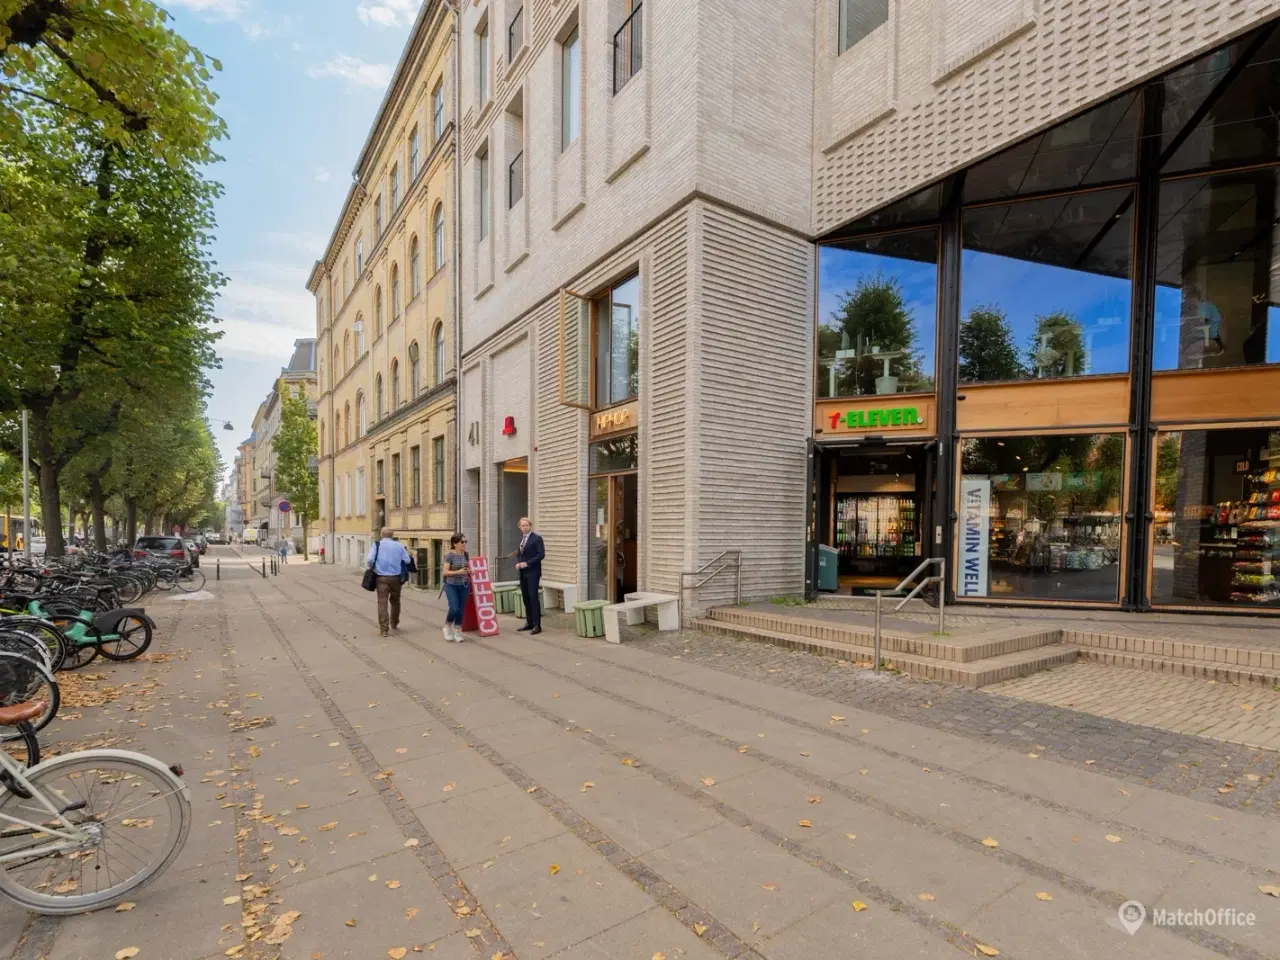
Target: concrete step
(995,642)
(1243,675)
(1218,653)
(971,673)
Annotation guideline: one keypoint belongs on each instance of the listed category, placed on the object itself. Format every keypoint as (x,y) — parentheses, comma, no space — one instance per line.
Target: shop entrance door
(614,537)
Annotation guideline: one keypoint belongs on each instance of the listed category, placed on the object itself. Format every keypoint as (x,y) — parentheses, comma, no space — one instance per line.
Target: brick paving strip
(864,887)
(449,884)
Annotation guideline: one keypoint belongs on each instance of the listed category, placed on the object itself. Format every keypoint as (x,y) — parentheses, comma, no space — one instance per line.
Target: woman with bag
(457,584)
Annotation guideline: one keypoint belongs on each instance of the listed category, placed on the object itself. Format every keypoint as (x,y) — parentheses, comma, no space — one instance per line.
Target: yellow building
(385,308)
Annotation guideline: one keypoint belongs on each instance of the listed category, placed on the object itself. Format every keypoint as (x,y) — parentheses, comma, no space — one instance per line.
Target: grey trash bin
(828,568)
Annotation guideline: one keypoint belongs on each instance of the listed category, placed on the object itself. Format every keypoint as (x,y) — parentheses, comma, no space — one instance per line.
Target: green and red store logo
(877,417)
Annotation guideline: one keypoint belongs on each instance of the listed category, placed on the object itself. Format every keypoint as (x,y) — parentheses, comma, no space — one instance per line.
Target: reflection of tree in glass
(987,347)
(633,359)
(1168,453)
(873,314)
(1057,348)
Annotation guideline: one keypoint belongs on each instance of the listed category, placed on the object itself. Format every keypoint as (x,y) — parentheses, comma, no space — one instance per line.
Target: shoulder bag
(370,579)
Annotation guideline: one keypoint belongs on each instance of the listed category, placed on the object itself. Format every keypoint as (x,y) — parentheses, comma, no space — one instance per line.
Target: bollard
(876,647)
(264,568)
(942,598)
(217,569)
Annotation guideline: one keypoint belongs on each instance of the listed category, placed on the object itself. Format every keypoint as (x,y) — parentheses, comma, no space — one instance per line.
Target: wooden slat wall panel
(1089,401)
(1216,395)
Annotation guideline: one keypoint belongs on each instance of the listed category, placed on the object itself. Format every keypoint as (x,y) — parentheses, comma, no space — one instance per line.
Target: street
(557,797)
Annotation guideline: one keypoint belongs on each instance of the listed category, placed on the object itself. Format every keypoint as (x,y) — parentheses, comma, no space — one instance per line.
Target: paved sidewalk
(362,797)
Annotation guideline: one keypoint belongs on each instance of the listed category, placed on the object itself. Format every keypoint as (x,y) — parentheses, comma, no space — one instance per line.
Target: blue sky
(300,83)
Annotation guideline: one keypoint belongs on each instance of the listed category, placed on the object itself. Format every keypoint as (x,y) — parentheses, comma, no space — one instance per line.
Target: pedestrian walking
(457,585)
(284,551)
(387,559)
(529,559)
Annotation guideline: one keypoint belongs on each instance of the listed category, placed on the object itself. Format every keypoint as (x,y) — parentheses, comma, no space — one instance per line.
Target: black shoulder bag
(370,579)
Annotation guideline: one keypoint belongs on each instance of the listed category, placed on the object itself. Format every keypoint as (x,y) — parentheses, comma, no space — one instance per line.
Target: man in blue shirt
(387,557)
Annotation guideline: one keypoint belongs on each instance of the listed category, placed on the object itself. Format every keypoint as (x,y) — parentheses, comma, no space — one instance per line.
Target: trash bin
(504,599)
(590,617)
(828,568)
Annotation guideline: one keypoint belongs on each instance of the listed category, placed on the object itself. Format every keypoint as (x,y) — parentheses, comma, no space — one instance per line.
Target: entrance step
(856,645)
(1243,675)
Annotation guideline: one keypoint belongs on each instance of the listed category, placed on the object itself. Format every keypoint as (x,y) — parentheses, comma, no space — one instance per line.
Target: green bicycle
(117,634)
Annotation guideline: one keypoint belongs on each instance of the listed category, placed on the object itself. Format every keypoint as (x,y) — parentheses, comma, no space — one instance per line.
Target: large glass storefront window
(1040,517)
(878,304)
(1218,272)
(1217,527)
(1045,288)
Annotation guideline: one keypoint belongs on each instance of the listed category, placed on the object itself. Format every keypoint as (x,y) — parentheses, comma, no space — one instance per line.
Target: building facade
(869,283)
(386,308)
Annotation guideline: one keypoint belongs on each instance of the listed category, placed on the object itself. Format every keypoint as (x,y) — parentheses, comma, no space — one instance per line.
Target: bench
(632,610)
(562,595)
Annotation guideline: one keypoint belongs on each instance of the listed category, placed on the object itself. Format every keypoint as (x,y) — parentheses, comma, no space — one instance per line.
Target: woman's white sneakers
(451,633)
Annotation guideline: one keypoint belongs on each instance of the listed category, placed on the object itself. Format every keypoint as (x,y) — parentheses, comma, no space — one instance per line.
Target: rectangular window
(482,194)
(361,495)
(570,89)
(858,18)
(515,34)
(395,479)
(413,155)
(515,180)
(483,65)
(395,188)
(879,297)
(1040,517)
(628,48)
(359,256)
(437,469)
(415,476)
(437,112)
(323,512)
(377,219)
(378,488)
(617,343)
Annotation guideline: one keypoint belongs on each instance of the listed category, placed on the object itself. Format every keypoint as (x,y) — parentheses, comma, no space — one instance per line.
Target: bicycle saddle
(21,712)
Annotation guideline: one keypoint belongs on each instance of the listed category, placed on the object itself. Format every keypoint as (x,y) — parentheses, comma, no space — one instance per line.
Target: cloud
(299,241)
(322,174)
(388,13)
(229,9)
(237,11)
(353,70)
(265,307)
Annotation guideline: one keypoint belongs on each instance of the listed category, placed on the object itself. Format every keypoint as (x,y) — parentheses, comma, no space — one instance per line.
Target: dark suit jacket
(532,554)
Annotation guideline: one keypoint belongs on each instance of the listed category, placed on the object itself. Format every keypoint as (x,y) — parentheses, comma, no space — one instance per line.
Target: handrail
(722,559)
(939,579)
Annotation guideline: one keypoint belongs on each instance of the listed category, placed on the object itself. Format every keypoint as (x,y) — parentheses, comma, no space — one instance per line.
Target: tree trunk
(50,494)
(303,520)
(150,523)
(97,504)
(130,521)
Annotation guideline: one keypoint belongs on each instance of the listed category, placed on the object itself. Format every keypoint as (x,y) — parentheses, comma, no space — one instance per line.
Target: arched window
(346,424)
(362,423)
(437,353)
(377,312)
(437,237)
(321,434)
(395,385)
(415,272)
(379,403)
(322,376)
(395,291)
(337,369)
(358,328)
(346,351)
(415,371)
(337,432)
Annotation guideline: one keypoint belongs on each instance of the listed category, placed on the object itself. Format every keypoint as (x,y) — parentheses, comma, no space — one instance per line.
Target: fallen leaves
(743,748)
(628,762)
(127,953)
(926,897)
(806,823)
(326,827)
(350,923)
(1227,787)
(837,719)
(991,842)
(283,928)
(1046,897)
(1246,706)
(554,869)
(1270,889)
(397,953)
(852,836)
(1112,838)
(393,884)
(858,906)
(587,785)
(769,886)
(472,933)
(804,753)
(411,842)
(402,749)
(125,907)
(815,799)
(228,901)
(700,928)
(864,771)
(986,951)
(708,781)
(411,913)
(449,787)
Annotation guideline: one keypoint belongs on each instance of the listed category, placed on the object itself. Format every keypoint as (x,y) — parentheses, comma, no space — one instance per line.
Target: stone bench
(632,611)
(562,595)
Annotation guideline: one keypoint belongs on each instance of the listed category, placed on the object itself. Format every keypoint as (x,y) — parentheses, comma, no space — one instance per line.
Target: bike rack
(939,579)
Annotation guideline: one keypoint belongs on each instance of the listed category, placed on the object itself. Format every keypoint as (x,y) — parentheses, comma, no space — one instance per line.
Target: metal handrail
(939,579)
(718,558)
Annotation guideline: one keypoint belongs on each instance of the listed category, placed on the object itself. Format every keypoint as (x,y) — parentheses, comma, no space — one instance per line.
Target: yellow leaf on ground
(769,886)
(700,928)
(397,953)
(864,771)
(125,907)
(806,823)
(411,913)
(1252,777)
(836,719)
(587,785)
(472,933)
(628,762)
(351,922)
(127,953)
(228,901)
(927,897)
(554,869)
(288,831)
(804,753)
(449,787)
(708,781)
(1090,763)
(411,842)
(393,884)
(991,842)
(1033,756)
(402,749)
(1270,889)
(326,827)
(255,751)
(334,743)
(302,806)
(659,956)
(858,906)
(1227,788)
(1246,706)
(356,833)
(852,836)
(987,951)
(235,951)
(1112,838)
(373,878)
(1044,896)
(815,799)
(743,748)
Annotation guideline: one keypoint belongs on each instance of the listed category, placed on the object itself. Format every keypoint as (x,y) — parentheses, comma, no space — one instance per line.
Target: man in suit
(529,558)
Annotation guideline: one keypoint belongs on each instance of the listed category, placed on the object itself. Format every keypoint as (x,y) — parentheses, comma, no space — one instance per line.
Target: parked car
(215,537)
(172,547)
(201,543)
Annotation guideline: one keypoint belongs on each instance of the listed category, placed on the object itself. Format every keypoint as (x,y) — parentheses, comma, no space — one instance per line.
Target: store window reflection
(878,306)
(617,343)
(1217,518)
(1040,517)
(1045,288)
(1218,272)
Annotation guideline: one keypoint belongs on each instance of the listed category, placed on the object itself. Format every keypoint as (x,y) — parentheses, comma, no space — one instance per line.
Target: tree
(987,348)
(295,447)
(1057,349)
(873,314)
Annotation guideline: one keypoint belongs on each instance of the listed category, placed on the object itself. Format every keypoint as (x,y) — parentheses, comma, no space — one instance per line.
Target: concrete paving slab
(487,824)
(871,934)
(424,781)
(647,935)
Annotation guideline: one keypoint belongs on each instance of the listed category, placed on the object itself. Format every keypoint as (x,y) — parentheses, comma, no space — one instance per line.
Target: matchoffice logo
(1133,914)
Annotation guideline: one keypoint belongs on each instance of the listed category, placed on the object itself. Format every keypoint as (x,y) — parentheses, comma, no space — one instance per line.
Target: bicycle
(75,830)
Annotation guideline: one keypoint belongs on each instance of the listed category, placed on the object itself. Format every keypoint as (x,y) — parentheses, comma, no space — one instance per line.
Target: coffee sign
(482,597)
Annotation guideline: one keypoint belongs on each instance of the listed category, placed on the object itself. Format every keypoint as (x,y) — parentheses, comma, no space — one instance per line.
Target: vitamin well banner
(975,539)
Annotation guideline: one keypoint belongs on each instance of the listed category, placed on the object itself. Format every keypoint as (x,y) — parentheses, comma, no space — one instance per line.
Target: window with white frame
(395,188)
(437,237)
(437,111)
(413,155)
(360,498)
(570,89)
(377,219)
(359,256)
(482,194)
(415,269)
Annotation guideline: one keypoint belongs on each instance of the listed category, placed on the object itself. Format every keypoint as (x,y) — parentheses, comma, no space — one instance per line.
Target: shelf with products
(872,526)
(1251,527)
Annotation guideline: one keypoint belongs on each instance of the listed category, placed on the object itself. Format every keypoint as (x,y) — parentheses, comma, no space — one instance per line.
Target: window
(628,48)
(482,194)
(1040,517)
(395,188)
(515,180)
(415,370)
(415,476)
(320,310)
(346,424)
(346,350)
(858,18)
(358,328)
(337,367)
(1045,287)
(515,34)
(437,238)
(877,328)
(321,491)
(377,312)
(413,154)
(617,341)
(395,292)
(320,434)
(359,256)
(344,495)
(482,65)
(437,111)
(346,280)
(570,89)
(379,489)
(437,468)
(415,271)
(395,480)
(377,219)
(379,400)
(361,495)
(395,385)
(437,353)
(337,432)
(363,415)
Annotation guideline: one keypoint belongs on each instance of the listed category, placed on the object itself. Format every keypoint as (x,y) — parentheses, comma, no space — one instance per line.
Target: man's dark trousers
(530,583)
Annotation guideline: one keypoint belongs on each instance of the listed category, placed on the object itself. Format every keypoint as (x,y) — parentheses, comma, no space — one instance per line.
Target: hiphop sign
(482,598)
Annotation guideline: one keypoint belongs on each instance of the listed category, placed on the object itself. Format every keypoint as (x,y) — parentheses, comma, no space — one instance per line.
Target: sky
(301,81)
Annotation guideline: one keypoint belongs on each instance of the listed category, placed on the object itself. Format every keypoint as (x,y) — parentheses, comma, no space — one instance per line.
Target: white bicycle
(85,830)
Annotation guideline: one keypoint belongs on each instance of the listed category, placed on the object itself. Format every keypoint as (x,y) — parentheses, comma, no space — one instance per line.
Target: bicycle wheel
(23,748)
(82,640)
(23,642)
(48,634)
(190,581)
(133,815)
(132,637)
(23,679)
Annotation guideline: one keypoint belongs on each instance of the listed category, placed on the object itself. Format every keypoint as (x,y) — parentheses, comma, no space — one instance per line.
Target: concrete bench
(632,611)
(562,595)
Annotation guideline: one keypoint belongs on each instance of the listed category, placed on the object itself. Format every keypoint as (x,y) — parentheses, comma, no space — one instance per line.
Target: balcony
(628,48)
